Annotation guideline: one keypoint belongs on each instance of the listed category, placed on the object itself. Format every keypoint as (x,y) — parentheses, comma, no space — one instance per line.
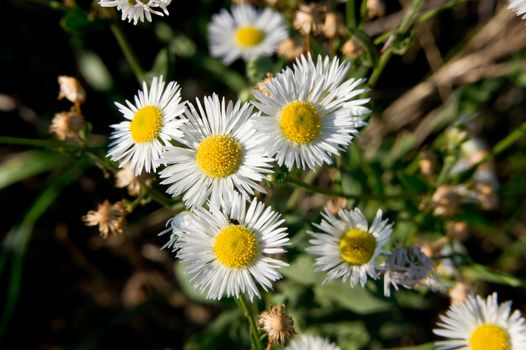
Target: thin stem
(350,13)
(50,144)
(128,51)
(254,336)
(363,14)
(315,189)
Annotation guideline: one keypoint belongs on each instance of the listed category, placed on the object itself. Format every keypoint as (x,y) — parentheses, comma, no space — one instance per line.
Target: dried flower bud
(126,177)
(71,89)
(447,199)
(333,25)
(261,86)
(111,218)
(375,8)
(458,293)
(308,19)
(277,324)
(290,49)
(458,230)
(427,162)
(67,125)
(351,48)
(335,204)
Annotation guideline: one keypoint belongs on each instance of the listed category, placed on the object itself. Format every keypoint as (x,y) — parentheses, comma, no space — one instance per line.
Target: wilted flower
(333,25)
(71,89)
(67,125)
(277,324)
(447,199)
(408,267)
(290,49)
(111,218)
(351,48)
(125,177)
(308,19)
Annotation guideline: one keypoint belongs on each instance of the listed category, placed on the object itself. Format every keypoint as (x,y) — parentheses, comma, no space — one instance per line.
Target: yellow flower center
(357,247)
(300,122)
(235,246)
(146,124)
(219,156)
(489,337)
(249,36)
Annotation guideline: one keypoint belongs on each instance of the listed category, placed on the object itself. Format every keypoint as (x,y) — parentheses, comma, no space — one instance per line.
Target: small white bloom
(222,154)
(408,267)
(228,249)
(310,342)
(246,33)
(137,10)
(178,226)
(347,247)
(478,324)
(151,123)
(311,112)
(519,7)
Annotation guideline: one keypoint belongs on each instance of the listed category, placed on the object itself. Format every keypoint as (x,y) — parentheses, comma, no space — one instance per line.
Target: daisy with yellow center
(310,112)
(478,324)
(227,248)
(347,246)
(137,10)
(246,33)
(221,154)
(152,122)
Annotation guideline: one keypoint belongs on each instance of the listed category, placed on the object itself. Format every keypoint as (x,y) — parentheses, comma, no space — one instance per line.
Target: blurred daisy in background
(246,33)
(137,10)
(151,123)
(478,324)
(310,342)
(519,7)
(310,112)
(222,154)
(228,249)
(347,247)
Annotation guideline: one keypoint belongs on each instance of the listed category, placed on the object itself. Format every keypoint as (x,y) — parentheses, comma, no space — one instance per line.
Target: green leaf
(414,183)
(302,271)
(161,65)
(478,272)
(76,20)
(356,299)
(24,165)
(188,287)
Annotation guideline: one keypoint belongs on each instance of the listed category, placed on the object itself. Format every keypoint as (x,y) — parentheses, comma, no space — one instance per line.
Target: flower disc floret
(235,246)
(300,122)
(219,156)
(357,247)
(146,124)
(489,337)
(249,36)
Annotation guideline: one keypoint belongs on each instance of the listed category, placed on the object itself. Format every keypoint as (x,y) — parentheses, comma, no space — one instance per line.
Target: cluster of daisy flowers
(215,154)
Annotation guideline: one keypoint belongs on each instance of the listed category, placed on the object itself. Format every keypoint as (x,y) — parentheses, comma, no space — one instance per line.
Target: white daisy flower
(137,10)
(222,154)
(151,123)
(347,246)
(310,112)
(246,33)
(227,250)
(177,226)
(310,342)
(519,7)
(478,324)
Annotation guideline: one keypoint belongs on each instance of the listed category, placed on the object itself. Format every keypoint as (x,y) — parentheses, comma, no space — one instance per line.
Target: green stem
(315,189)
(254,336)
(128,51)
(407,23)
(350,13)
(50,144)
(363,14)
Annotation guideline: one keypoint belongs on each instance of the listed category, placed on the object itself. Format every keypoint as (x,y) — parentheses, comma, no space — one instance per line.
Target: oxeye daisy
(347,246)
(228,250)
(478,324)
(311,112)
(137,10)
(222,154)
(519,7)
(246,33)
(310,342)
(151,123)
